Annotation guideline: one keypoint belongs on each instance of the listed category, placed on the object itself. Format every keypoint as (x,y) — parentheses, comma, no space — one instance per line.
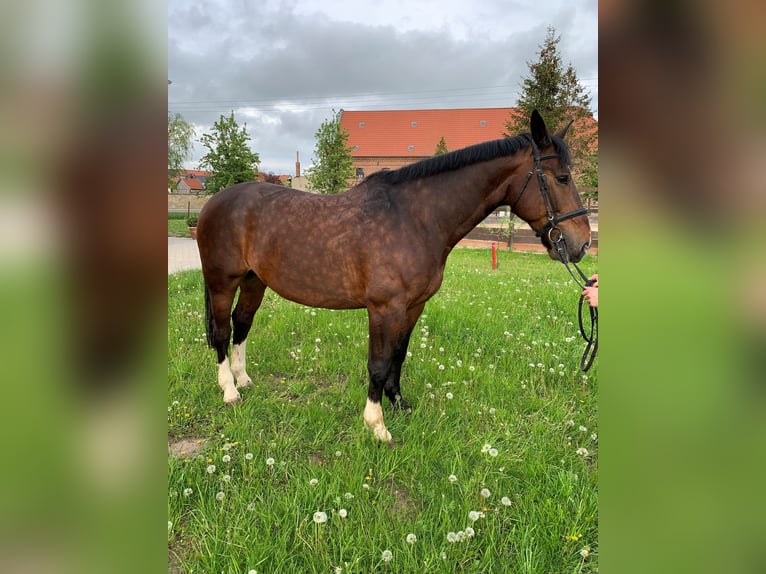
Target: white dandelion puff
(386,556)
(411,538)
(320,517)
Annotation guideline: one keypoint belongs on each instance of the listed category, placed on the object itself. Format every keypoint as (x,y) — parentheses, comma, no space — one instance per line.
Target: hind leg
(221,299)
(251,290)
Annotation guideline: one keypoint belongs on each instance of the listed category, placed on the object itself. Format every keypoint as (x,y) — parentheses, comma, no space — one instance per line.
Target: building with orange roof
(390,139)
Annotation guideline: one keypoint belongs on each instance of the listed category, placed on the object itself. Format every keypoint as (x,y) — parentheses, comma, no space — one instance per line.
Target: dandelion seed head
(452,478)
(210,469)
(492,452)
(270,461)
(220,496)
(485,493)
(249,456)
(226,458)
(386,555)
(451,537)
(411,538)
(469,532)
(313,482)
(320,517)
(505,501)
(343,513)
(582,451)
(188,491)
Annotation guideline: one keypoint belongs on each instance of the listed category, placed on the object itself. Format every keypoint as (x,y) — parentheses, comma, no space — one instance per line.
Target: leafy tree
(180,134)
(333,166)
(229,157)
(557,94)
(441,147)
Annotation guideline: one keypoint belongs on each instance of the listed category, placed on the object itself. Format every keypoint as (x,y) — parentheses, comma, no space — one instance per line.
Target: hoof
(232,400)
(382,435)
(402,405)
(244,383)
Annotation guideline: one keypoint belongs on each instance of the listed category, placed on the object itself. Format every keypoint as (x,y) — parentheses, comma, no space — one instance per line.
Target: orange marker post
(494,255)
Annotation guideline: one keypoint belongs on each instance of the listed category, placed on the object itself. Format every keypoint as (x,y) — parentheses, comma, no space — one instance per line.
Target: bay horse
(382,245)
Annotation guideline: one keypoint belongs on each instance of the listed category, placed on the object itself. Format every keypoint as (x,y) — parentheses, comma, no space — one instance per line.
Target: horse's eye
(563,179)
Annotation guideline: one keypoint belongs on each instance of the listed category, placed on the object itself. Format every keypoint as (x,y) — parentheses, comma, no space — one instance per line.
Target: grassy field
(495,469)
(177,225)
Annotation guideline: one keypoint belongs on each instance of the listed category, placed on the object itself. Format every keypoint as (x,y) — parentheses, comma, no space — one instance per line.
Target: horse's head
(552,204)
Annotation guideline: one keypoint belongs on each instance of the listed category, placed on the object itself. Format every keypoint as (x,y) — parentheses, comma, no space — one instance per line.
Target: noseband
(556,238)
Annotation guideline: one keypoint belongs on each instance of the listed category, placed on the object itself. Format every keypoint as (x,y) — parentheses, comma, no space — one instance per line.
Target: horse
(382,245)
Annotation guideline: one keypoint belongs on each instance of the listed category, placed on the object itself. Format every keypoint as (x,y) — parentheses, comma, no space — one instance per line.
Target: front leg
(391,387)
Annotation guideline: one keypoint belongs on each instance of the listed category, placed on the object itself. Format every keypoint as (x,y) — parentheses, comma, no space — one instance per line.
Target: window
(361,124)
(482,122)
(414,124)
(410,147)
(360,173)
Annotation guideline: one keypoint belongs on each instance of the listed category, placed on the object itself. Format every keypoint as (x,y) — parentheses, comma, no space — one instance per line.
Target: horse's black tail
(209,319)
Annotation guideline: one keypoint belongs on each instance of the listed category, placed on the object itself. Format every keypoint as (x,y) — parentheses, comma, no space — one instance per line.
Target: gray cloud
(282,67)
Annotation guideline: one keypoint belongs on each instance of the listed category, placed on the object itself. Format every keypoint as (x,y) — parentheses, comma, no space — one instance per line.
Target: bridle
(556,239)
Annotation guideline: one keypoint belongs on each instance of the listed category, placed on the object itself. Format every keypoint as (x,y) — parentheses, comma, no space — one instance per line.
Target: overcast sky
(282,66)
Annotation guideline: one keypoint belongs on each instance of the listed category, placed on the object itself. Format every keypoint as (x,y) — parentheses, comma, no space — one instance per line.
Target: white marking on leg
(238,365)
(226,382)
(373,419)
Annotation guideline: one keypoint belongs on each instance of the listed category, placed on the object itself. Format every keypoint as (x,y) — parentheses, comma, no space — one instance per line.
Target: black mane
(463,157)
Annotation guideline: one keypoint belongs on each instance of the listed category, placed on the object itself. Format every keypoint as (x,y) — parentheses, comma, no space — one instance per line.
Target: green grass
(177,225)
(495,361)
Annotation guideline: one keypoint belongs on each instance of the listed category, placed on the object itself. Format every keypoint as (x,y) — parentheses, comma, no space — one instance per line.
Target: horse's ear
(539,131)
(563,131)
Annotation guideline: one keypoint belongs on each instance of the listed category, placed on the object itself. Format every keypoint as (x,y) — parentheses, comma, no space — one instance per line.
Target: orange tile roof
(193,183)
(190,172)
(416,133)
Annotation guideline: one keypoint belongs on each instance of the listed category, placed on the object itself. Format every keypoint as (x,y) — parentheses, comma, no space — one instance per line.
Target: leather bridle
(556,239)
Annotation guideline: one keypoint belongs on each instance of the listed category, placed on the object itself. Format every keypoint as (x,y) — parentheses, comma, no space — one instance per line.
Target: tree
(333,166)
(557,94)
(441,147)
(180,134)
(229,157)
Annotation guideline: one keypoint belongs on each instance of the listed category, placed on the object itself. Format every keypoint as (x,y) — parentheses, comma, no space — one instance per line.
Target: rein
(556,238)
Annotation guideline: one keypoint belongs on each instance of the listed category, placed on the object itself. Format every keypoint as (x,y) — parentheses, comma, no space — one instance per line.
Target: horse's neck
(459,201)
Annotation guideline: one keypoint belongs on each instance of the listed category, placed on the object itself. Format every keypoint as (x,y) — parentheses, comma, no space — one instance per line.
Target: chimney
(297,164)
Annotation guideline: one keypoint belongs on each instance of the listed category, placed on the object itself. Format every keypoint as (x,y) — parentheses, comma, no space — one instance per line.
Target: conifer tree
(556,93)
